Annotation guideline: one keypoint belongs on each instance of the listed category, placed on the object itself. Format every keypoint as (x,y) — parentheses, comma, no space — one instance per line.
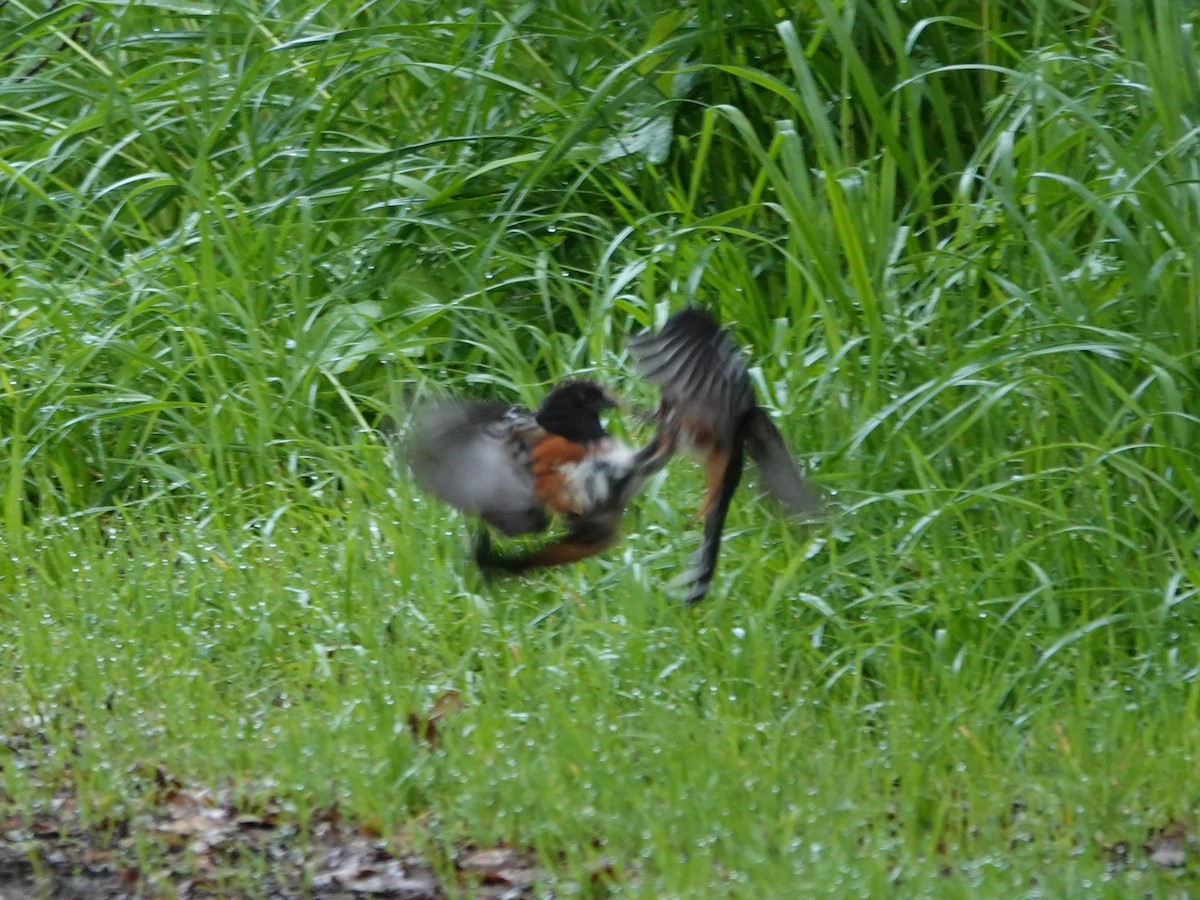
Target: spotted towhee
(708,408)
(516,467)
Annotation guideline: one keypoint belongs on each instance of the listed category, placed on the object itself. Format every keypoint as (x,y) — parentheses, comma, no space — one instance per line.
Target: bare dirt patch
(198,845)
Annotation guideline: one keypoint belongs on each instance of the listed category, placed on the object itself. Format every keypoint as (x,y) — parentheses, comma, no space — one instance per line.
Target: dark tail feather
(777,469)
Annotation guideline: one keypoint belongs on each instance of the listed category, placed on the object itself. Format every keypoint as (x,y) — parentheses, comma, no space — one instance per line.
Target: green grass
(959,241)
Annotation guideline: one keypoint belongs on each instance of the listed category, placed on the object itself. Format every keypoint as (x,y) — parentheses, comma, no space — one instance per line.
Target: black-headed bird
(515,468)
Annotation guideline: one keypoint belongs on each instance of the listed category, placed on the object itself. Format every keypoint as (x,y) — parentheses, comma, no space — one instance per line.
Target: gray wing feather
(702,375)
(459,453)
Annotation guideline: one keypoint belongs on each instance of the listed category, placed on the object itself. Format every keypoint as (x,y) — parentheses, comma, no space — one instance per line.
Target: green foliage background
(960,241)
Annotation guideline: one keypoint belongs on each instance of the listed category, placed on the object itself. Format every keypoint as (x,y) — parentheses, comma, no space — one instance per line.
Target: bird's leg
(716,509)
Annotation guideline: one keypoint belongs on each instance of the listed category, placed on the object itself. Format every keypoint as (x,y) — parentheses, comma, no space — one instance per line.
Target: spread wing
(701,374)
(468,454)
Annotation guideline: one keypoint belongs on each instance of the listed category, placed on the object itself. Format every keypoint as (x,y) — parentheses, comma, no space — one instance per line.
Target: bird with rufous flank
(518,469)
(708,408)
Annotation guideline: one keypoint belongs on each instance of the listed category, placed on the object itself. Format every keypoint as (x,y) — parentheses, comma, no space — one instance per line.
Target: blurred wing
(701,374)
(461,453)
(777,469)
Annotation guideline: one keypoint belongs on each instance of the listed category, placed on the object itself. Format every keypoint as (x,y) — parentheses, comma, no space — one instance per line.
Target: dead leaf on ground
(202,837)
(1117,856)
(501,866)
(488,860)
(193,813)
(364,866)
(602,868)
(425,728)
(1167,847)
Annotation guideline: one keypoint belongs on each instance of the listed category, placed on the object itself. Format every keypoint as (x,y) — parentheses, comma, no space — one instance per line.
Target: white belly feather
(600,478)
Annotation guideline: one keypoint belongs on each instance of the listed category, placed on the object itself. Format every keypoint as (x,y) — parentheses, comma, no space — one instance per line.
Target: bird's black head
(572,410)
